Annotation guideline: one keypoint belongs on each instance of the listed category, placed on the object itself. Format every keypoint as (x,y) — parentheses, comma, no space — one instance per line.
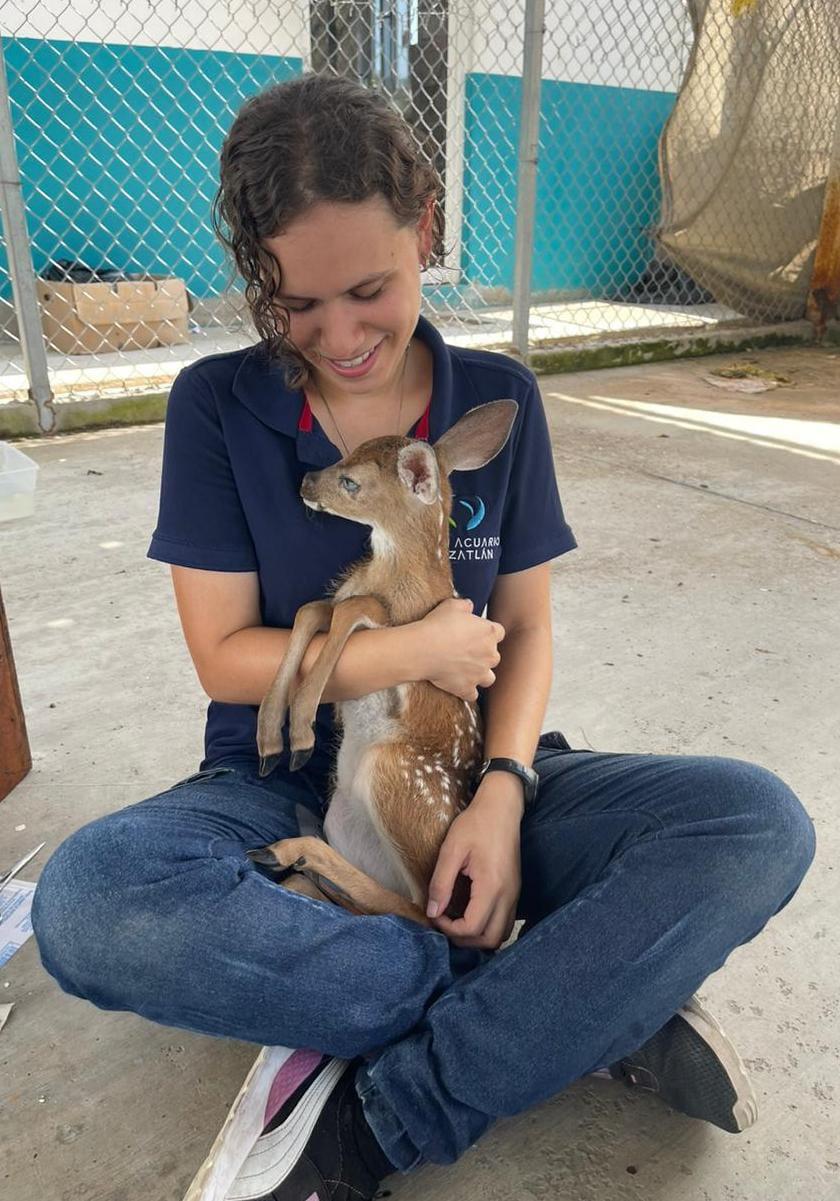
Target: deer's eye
(347,484)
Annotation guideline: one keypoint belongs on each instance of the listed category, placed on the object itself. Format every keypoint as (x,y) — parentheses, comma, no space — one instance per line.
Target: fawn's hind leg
(337,878)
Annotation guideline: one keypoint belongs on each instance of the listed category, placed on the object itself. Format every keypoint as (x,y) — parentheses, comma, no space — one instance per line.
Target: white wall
(623,43)
(233,26)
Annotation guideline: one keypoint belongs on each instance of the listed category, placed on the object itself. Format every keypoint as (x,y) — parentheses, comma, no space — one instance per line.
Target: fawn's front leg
(311,619)
(348,615)
(336,878)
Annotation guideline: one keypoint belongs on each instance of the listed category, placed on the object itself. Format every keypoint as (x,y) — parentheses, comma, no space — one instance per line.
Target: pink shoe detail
(293,1072)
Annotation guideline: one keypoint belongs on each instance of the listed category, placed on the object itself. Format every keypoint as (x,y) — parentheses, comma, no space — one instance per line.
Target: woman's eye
(370,295)
(304,308)
(347,484)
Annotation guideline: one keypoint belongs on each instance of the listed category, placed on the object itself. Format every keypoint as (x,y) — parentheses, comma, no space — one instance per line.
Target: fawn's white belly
(351,825)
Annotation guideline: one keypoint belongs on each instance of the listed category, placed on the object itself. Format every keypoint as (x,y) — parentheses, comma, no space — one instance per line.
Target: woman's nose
(341,335)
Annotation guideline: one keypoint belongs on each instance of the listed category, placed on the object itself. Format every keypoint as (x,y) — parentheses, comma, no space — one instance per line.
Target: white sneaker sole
(228,1171)
(745,1109)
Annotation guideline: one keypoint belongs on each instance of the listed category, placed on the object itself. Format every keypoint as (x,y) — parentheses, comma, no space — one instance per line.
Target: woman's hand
(463,648)
(483,843)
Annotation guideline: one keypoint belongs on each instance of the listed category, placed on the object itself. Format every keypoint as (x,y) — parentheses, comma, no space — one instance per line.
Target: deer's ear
(478,436)
(418,470)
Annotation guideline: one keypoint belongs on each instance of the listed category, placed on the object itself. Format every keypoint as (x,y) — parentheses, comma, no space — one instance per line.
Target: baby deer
(408,754)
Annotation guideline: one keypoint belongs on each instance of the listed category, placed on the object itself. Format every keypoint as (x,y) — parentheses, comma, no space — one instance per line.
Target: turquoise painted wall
(119,148)
(597,183)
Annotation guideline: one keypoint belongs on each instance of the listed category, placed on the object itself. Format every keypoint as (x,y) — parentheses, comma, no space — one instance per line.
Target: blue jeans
(640,874)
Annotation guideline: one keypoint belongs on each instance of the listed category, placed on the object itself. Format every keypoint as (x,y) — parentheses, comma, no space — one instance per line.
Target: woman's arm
(515,705)
(236,657)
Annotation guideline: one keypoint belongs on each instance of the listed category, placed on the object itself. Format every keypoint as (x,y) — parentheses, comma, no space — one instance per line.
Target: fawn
(408,754)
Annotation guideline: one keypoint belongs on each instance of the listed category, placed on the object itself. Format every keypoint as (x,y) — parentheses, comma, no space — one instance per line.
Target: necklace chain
(399,412)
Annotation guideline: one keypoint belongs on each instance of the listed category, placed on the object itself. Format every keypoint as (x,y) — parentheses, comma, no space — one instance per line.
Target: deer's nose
(307,485)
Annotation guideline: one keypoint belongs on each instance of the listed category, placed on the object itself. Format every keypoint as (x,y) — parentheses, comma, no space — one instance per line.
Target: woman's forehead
(334,248)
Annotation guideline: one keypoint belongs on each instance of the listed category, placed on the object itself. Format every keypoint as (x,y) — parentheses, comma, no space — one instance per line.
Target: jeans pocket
(209,773)
(553,740)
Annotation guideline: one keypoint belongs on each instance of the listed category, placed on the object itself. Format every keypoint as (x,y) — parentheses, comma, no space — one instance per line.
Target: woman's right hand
(463,648)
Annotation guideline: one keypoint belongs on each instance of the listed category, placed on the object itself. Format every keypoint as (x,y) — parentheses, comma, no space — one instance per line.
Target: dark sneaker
(296,1132)
(695,1069)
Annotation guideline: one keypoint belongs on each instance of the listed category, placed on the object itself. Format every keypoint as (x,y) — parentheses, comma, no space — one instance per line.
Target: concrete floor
(699,615)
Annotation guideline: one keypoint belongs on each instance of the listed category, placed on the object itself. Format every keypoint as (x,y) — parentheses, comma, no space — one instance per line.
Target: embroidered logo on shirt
(470,511)
(474,506)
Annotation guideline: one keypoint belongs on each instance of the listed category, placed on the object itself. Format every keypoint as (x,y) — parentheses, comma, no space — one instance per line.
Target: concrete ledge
(19,418)
(630,352)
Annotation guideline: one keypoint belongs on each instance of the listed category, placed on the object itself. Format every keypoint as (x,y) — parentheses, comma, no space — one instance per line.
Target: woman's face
(350,283)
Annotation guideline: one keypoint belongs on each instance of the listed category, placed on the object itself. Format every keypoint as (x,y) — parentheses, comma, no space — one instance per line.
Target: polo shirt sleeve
(533,529)
(201,522)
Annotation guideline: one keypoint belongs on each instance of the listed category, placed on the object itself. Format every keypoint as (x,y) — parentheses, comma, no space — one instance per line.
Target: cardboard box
(129,315)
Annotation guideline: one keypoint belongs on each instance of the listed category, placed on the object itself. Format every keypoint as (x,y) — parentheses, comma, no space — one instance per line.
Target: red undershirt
(305,420)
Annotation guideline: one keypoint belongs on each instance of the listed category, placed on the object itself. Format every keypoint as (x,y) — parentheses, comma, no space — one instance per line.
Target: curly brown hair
(312,139)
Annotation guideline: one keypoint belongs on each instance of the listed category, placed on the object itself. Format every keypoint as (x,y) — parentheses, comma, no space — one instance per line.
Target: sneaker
(695,1069)
(296,1132)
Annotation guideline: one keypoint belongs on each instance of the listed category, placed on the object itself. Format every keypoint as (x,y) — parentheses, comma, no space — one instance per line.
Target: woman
(636,875)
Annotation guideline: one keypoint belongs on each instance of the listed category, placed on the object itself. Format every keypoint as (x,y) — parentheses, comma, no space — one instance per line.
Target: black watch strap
(527,775)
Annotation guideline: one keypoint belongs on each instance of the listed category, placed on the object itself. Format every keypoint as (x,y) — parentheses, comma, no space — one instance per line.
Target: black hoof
(299,759)
(276,872)
(268,764)
(264,856)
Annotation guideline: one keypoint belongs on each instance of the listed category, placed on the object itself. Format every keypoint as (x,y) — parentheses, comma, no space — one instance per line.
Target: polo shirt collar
(260,387)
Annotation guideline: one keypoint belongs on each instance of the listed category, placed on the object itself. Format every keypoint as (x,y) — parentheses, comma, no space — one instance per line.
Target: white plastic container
(18,475)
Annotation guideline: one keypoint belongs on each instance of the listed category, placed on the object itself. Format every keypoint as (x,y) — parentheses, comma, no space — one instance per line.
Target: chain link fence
(118,112)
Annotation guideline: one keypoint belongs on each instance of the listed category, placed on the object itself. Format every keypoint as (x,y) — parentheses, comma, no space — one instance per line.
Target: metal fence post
(20,263)
(526,187)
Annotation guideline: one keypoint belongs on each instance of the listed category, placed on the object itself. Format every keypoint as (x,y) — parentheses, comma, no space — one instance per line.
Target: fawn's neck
(411,578)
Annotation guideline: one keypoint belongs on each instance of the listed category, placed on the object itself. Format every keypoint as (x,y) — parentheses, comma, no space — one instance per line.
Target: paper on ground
(15,923)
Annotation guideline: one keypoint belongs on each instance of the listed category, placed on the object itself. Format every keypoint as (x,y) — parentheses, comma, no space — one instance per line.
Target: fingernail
(432,909)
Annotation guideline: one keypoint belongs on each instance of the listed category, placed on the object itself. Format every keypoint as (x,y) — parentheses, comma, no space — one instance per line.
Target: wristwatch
(526,774)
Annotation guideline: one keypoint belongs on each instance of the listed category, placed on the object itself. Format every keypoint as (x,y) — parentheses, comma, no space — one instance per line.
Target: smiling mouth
(357,362)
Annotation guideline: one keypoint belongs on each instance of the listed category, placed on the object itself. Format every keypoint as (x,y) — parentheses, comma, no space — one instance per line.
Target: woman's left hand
(483,843)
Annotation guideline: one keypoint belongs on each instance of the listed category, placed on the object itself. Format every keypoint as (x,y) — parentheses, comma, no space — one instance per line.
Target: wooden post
(15,757)
(824,294)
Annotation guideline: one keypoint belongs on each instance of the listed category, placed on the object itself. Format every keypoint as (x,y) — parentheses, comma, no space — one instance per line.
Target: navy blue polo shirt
(237,445)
